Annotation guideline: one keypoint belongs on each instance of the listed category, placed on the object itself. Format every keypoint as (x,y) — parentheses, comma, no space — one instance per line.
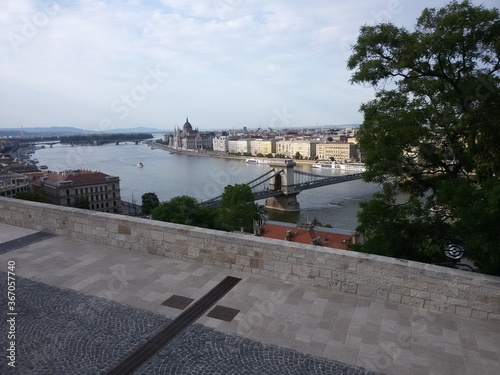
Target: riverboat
(358,167)
(256,161)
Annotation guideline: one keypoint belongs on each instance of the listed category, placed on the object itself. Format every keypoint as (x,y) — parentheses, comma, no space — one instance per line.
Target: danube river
(171,174)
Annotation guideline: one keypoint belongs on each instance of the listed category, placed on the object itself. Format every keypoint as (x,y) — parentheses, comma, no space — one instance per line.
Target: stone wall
(411,283)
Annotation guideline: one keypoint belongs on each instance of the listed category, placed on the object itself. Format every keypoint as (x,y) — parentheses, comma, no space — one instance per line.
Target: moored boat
(256,161)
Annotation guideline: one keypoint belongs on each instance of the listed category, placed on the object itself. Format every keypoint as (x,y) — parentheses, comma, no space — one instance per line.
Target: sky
(103,65)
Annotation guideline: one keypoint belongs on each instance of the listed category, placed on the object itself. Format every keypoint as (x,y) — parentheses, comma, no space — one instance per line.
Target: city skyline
(224,63)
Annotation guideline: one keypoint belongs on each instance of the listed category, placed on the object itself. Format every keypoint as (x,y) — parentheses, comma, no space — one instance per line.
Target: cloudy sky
(224,63)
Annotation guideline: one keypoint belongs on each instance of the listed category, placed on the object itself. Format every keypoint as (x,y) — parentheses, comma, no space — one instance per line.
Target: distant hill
(53,130)
(133,130)
(65,130)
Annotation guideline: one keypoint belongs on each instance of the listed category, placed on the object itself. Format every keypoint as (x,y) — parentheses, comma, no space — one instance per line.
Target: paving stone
(60,332)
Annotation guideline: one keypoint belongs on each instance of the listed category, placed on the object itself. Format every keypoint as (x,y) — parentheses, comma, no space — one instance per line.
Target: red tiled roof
(78,177)
(306,236)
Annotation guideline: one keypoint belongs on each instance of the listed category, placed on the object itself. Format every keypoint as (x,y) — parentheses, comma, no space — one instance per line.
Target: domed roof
(187,128)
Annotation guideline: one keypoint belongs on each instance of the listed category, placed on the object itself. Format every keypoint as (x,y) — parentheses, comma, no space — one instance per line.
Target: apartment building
(307,149)
(66,188)
(340,151)
(13,183)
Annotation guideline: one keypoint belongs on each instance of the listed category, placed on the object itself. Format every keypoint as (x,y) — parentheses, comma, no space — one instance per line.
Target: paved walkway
(82,308)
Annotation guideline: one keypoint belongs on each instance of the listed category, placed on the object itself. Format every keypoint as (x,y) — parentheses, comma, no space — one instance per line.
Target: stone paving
(278,322)
(60,331)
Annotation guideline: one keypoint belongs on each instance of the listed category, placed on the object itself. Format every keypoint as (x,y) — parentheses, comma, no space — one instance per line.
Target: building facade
(13,183)
(262,146)
(69,188)
(307,149)
(340,151)
(219,144)
(190,139)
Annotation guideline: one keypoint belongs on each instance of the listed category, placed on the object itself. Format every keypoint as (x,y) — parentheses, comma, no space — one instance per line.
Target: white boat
(140,165)
(256,161)
(359,167)
(323,165)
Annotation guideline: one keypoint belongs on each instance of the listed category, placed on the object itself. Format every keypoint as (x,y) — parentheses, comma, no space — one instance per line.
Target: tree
(432,134)
(149,202)
(185,210)
(297,156)
(82,202)
(238,209)
(31,196)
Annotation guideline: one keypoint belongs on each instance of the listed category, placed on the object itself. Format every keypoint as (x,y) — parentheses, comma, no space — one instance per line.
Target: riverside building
(67,188)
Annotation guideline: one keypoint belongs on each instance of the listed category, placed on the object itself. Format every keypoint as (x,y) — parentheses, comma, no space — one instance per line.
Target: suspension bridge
(282,183)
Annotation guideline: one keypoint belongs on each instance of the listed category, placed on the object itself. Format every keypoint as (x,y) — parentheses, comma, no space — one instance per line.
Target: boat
(140,165)
(256,161)
(323,165)
(359,167)
(43,167)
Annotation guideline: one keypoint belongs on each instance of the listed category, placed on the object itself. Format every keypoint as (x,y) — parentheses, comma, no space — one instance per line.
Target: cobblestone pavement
(60,331)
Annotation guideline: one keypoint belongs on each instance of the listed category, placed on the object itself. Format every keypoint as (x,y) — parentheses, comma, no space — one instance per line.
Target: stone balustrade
(451,291)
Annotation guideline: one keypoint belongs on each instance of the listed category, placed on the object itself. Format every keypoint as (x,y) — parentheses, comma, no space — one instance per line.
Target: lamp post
(453,167)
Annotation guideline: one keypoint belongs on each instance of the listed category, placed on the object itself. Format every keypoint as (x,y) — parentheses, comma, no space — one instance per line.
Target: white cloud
(224,62)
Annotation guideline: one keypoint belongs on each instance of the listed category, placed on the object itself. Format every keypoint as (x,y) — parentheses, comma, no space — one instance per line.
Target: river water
(170,174)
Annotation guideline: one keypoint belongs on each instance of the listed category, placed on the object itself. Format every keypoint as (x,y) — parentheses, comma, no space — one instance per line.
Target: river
(171,174)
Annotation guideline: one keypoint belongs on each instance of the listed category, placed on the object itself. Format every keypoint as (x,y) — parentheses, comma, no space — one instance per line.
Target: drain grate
(167,334)
(178,302)
(224,313)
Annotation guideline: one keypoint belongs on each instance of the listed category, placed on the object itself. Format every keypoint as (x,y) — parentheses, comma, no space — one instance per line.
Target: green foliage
(104,138)
(31,196)
(298,156)
(82,202)
(237,208)
(149,202)
(432,134)
(185,210)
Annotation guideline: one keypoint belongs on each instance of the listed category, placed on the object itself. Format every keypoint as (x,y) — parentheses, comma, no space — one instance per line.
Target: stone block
(325,273)
(457,301)
(394,297)
(412,301)
(243,260)
(283,268)
(438,297)
(494,317)
(348,287)
(432,305)
(463,311)
(420,294)
(256,263)
(477,314)
(366,290)
(416,283)
(447,308)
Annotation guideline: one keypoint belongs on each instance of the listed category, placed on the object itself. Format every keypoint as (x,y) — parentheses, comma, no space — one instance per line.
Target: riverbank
(220,155)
